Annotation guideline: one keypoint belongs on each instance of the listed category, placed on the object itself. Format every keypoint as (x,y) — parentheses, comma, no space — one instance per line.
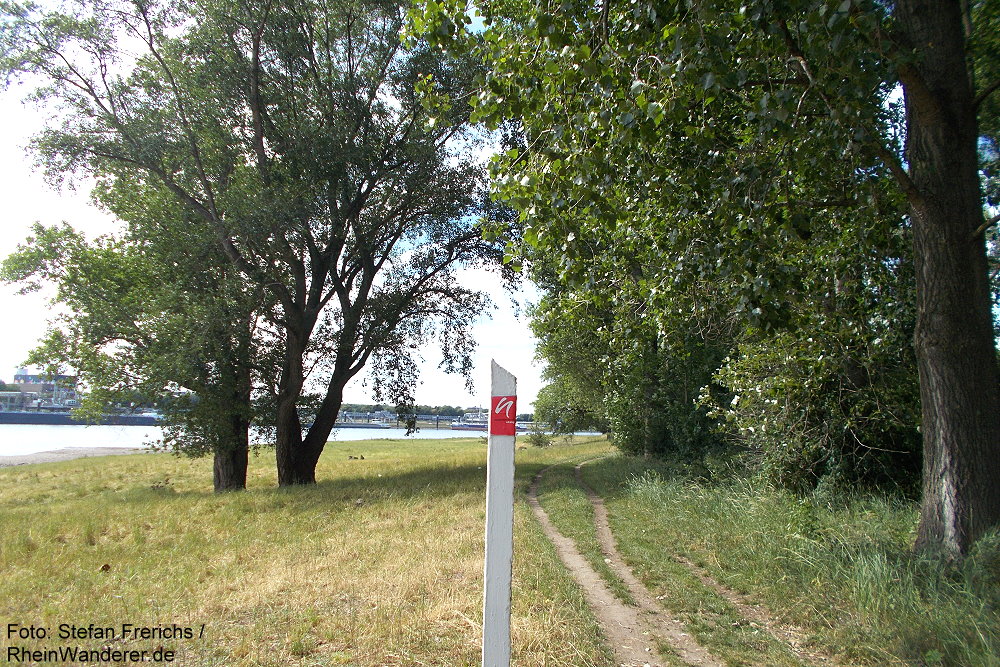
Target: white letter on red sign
(503,415)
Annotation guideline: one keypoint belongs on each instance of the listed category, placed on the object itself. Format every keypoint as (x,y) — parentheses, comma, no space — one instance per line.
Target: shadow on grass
(129,481)
(427,483)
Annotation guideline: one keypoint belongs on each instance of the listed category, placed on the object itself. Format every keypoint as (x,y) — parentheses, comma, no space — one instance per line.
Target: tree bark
(297,456)
(959,379)
(292,469)
(231,456)
(301,460)
(287,446)
(229,471)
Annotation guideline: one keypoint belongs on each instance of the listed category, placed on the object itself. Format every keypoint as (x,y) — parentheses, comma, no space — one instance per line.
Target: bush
(828,411)
(654,408)
(539,438)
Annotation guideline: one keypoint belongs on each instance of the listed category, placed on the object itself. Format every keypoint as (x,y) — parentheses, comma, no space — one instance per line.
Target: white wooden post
(499,518)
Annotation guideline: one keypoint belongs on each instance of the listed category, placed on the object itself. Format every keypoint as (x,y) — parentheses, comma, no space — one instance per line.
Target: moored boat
(54,418)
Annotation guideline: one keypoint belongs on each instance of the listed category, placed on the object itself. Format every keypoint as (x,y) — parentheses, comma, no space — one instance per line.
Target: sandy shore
(66,454)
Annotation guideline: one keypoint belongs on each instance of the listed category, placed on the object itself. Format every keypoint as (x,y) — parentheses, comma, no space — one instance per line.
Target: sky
(502,335)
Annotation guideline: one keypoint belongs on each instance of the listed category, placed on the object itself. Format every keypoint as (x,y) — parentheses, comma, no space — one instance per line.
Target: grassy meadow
(378,564)
(381,562)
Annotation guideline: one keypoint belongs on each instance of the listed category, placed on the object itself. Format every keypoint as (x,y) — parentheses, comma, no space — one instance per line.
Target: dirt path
(632,632)
(791,636)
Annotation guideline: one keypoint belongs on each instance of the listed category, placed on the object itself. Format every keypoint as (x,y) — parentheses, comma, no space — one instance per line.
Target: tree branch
(986,225)
(987,91)
(795,51)
(917,92)
(898,172)
(182,114)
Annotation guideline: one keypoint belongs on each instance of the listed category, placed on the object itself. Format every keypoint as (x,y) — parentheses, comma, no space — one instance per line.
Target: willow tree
(325,158)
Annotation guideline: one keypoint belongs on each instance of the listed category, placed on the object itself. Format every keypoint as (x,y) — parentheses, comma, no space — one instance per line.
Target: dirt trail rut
(632,632)
(793,637)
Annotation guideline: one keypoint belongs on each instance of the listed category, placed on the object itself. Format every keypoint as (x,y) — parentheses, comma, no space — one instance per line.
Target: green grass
(378,564)
(381,562)
(711,619)
(845,572)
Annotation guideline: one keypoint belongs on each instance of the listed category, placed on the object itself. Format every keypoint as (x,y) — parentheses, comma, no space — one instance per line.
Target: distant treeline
(442,410)
(439,410)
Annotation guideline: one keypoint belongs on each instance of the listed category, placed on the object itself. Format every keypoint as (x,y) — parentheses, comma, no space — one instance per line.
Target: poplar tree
(719,138)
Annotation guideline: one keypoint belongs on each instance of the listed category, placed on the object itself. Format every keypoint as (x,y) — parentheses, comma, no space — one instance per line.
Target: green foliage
(576,358)
(833,398)
(641,158)
(539,438)
(612,371)
(821,411)
(567,410)
(654,408)
(700,182)
(146,318)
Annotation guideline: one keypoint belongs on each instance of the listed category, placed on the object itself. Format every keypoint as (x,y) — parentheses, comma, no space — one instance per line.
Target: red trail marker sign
(503,415)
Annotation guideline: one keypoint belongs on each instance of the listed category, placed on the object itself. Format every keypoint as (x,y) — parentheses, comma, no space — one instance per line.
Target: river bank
(65,454)
(23,439)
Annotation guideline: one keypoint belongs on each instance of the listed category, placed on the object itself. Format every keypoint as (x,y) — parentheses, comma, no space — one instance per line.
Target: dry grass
(379,564)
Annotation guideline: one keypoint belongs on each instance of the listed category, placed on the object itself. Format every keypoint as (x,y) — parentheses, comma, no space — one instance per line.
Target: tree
(567,410)
(743,129)
(145,318)
(295,134)
(960,385)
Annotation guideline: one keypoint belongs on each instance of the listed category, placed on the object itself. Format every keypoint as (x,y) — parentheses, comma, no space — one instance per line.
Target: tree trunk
(229,469)
(297,456)
(229,472)
(326,418)
(292,469)
(959,379)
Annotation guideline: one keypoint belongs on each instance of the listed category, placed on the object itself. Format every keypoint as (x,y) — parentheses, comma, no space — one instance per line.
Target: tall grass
(844,568)
(378,564)
(568,507)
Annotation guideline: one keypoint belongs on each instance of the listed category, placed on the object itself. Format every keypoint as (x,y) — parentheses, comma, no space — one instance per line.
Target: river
(18,439)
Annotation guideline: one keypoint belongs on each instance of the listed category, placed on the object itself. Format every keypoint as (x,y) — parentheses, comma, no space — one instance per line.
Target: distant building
(47,390)
(13,401)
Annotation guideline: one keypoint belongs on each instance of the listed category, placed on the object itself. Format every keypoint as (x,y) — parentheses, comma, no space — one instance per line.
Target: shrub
(826,411)
(539,438)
